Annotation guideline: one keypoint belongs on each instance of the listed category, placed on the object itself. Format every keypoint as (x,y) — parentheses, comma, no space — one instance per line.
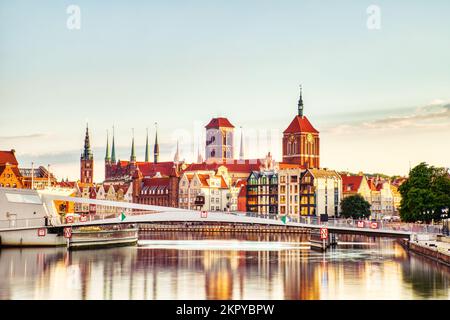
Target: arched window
(289,148)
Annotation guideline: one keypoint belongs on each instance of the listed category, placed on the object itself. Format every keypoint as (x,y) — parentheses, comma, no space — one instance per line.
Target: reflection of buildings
(358,271)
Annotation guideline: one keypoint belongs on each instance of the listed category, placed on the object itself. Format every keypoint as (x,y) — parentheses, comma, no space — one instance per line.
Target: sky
(379,97)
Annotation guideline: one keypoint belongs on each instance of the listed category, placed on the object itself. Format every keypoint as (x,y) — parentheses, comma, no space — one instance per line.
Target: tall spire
(113,151)
(300,103)
(87,153)
(176,158)
(107,157)
(241,152)
(147,150)
(133,153)
(156,147)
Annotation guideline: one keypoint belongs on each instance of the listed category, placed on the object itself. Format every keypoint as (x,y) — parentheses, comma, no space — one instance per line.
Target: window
(293,178)
(23,198)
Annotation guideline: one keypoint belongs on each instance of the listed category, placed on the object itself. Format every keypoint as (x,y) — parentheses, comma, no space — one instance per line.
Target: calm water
(175,266)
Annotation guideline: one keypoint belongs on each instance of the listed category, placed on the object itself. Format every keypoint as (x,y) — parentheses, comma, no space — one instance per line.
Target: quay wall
(428,252)
(222,228)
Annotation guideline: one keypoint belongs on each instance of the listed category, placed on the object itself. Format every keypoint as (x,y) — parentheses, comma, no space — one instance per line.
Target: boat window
(23,198)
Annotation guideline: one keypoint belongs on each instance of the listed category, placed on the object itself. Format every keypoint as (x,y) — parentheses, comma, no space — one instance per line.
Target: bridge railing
(356,224)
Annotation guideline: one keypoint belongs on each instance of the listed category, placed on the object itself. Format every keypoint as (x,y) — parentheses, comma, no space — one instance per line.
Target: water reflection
(361,268)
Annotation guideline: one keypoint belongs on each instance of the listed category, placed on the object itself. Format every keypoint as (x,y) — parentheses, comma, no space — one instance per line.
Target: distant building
(358,184)
(320,193)
(212,187)
(301,141)
(11,176)
(219,140)
(262,192)
(87,161)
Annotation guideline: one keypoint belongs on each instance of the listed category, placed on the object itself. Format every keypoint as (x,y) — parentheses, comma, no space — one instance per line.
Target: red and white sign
(323,233)
(69,219)
(67,232)
(42,232)
(83,218)
(360,224)
(204,214)
(374,225)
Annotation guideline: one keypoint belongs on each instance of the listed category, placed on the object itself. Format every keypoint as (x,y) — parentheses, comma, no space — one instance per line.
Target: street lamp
(444,216)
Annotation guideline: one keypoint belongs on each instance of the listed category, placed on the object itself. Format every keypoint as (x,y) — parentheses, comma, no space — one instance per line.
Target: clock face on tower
(309,137)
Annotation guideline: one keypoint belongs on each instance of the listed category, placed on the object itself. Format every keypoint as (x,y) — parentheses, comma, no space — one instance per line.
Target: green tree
(355,207)
(425,193)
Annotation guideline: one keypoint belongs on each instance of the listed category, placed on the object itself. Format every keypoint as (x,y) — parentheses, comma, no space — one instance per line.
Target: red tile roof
(351,183)
(8,157)
(219,122)
(156,182)
(244,166)
(300,124)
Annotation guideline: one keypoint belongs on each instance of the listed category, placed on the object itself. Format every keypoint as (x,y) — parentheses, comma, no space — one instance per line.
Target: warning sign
(374,225)
(68,232)
(83,218)
(360,224)
(42,232)
(69,219)
(204,214)
(323,233)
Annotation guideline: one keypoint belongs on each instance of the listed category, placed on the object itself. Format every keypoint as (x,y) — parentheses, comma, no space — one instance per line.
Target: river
(224,266)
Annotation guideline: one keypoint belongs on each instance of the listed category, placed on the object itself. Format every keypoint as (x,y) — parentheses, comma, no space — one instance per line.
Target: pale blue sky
(379,97)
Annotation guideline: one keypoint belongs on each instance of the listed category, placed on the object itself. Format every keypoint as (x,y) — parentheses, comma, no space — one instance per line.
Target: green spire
(147,150)
(156,148)
(107,157)
(113,151)
(87,153)
(133,153)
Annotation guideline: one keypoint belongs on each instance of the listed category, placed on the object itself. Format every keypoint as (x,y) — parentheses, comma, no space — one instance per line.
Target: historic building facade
(301,141)
(87,161)
(11,176)
(219,140)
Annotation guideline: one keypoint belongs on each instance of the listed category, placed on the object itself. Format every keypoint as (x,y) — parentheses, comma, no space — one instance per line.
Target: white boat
(30,218)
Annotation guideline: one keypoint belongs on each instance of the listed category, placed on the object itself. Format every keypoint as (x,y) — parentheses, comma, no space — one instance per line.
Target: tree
(355,207)
(425,193)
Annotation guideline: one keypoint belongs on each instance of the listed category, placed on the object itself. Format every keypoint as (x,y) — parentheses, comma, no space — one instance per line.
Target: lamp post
(444,216)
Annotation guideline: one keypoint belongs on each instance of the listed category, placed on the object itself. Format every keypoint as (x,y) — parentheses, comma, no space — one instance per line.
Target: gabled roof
(300,124)
(351,183)
(8,157)
(243,166)
(219,123)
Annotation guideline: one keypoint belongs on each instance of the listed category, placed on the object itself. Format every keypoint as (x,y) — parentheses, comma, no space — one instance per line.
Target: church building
(301,141)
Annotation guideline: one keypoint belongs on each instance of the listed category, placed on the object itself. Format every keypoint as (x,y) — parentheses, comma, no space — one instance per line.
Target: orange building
(10,176)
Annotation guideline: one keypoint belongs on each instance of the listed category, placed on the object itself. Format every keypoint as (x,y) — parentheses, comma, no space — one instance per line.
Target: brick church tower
(301,141)
(87,161)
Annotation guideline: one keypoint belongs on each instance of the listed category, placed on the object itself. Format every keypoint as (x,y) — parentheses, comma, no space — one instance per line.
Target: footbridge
(147,214)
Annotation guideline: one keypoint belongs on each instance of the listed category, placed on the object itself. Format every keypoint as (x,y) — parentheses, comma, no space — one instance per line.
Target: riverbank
(435,249)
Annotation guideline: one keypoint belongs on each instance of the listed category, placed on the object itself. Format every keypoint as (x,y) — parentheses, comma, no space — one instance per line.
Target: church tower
(301,141)
(219,140)
(87,161)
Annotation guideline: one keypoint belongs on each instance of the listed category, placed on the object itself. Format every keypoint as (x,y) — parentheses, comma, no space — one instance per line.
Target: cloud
(431,117)
(23,137)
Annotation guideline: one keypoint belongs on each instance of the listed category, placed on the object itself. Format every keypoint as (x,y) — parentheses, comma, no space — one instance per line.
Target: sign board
(67,232)
(323,233)
(83,218)
(92,208)
(69,219)
(204,214)
(374,225)
(42,232)
(360,224)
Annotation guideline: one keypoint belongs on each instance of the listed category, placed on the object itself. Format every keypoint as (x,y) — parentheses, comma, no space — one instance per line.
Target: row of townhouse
(294,192)
(111,192)
(382,194)
(208,190)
